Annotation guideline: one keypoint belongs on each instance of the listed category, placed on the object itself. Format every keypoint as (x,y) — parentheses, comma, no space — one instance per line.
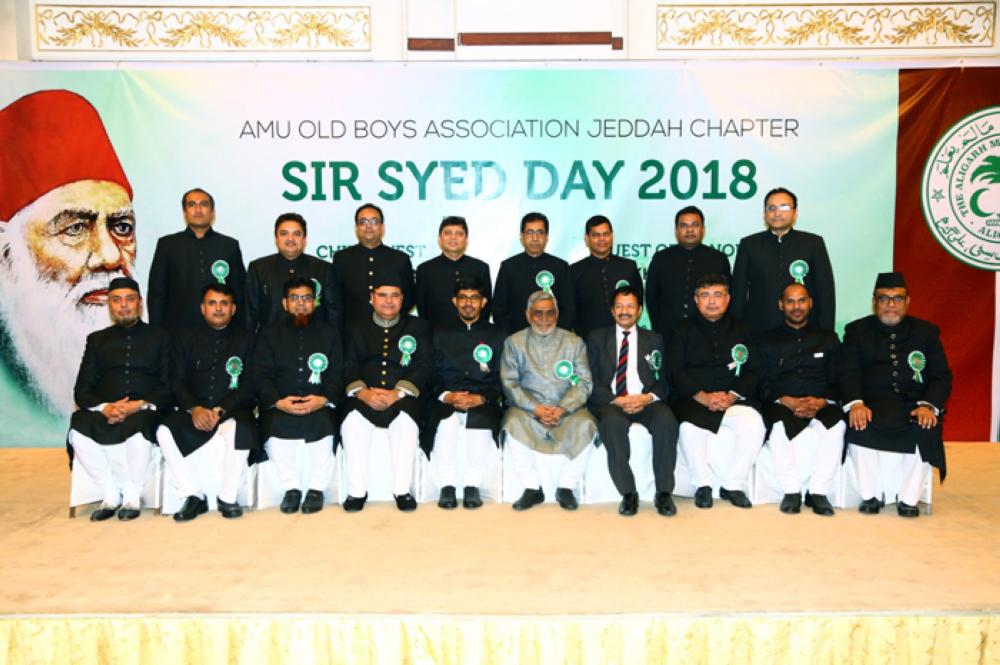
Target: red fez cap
(48,139)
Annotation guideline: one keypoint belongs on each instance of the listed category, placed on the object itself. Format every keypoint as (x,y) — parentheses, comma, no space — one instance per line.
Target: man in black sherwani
(436,279)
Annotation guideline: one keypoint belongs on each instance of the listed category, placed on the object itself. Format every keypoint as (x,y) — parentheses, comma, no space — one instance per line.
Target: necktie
(622,368)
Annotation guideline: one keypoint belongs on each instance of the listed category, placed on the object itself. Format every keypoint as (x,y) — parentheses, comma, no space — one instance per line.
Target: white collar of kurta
(379,321)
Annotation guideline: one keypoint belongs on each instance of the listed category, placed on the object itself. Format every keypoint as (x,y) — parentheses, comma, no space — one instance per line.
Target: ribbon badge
(318,290)
(620,283)
(564,371)
(917,361)
(655,362)
(318,364)
(407,344)
(220,270)
(799,269)
(740,355)
(544,279)
(234,367)
(483,354)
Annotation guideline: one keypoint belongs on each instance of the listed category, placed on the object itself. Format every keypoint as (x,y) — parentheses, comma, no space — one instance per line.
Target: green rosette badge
(318,290)
(234,367)
(317,364)
(620,283)
(918,362)
(407,344)
(655,362)
(740,355)
(799,269)
(564,370)
(544,279)
(220,270)
(483,354)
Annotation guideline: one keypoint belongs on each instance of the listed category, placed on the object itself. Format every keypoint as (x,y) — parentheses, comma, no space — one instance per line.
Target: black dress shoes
(629,505)
(127,512)
(447,500)
(313,503)
(791,503)
(290,503)
(665,504)
(906,510)
(565,498)
(819,503)
(735,497)
(703,497)
(103,512)
(406,503)
(870,506)
(193,506)
(354,504)
(470,497)
(228,510)
(529,498)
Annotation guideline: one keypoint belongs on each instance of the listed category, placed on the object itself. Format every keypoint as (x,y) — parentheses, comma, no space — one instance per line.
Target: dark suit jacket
(602,352)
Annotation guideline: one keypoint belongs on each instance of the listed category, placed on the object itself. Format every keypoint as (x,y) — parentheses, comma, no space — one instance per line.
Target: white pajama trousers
(522,459)
(867,461)
(283,453)
(741,424)
(825,462)
(120,468)
(477,444)
(184,472)
(357,432)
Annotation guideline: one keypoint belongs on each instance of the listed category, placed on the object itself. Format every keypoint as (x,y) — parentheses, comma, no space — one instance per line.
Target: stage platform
(707,586)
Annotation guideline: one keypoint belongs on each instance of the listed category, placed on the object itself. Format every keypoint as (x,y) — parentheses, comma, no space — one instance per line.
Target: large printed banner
(487,142)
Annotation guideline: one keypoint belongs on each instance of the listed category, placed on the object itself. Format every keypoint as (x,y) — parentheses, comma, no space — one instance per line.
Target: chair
(84,489)
(890,470)
(429,486)
(597,484)
(207,462)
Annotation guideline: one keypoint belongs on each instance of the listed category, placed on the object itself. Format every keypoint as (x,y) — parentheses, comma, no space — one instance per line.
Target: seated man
(628,388)
(298,368)
(712,386)
(546,379)
(387,365)
(798,387)
(122,388)
(210,377)
(466,381)
(895,383)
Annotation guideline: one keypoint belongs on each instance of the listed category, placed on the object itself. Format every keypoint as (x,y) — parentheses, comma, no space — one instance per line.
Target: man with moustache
(123,389)
(67,229)
(267,275)
(387,366)
(211,378)
(436,279)
(596,278)
(895,385)
(524,273)
(298,368)
(673,271)
(631,387)
(355,267)
(184,261)
(465,385)
(798,389)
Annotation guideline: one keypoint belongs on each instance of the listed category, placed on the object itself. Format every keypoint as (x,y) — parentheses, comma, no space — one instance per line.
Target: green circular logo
(544,279)
(318,362)
(220,270)
(620,283)
(234,366)
(917,360)
(407,344)
(482,353)
(740,354)
(656,359)
(564,369)
(798,269)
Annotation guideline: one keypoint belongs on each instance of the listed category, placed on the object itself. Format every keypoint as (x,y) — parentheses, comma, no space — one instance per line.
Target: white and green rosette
(655,361)
(564,371)
(544,279)
(918,362)
(220,271)
(621,283)
(740,355)
(317,365)
(799,269)
(318,289)
(234,367)
(483,354)
(407,345)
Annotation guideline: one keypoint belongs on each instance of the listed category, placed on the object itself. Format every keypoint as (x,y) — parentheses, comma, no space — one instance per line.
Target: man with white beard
(67,229)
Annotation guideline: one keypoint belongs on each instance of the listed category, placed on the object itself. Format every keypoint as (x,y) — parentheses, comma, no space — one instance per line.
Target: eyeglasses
(896,299)
(784,207)
(535,232)
(300,297)
(368,221)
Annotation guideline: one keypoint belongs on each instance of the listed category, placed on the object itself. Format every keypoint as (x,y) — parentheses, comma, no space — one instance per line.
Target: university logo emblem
(961,189)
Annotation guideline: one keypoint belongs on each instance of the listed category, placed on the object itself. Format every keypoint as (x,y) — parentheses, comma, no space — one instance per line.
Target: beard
(301,320)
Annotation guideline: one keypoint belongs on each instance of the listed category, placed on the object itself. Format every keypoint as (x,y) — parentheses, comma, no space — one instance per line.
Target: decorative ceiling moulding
(920,28)
(120,32)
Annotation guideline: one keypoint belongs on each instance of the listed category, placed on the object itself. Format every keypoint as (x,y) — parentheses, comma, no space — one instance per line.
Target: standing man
(546,379)
(122,389)
(267,275)
(211,377)
(768,261)
(896,381)
(183,262)
(630,387)
(798,388)
(437,278)
(299,370)
(355,267)
(674,271)
(596,278)
(713,387)
(466,393)
(387,367)
(524,273)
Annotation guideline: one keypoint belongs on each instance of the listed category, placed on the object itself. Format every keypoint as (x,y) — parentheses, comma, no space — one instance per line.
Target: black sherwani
(199,377)
(182,266)
(436,281)
(456,369)
(594,282)
(281,369)
(373,359)
(355,267)
(700,357)
(673,272)
(876,369)
(516,281)
(119,362)
(798,363)
(266,279)
(760,274)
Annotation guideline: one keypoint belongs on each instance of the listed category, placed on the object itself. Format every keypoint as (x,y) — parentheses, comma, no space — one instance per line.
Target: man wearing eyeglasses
(436,279)
(895,384)
(355,267)
(768,261)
